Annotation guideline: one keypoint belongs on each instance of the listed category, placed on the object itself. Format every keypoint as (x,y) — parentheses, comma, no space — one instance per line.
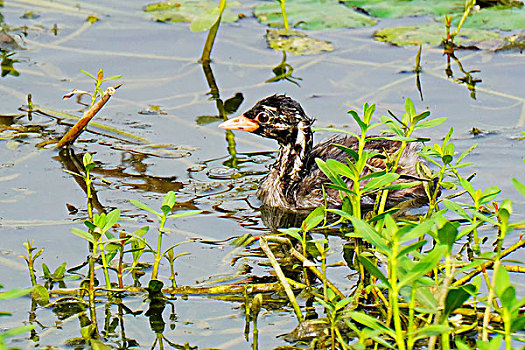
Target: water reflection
(7,62)
(74,165)
(283,71)
(467,78)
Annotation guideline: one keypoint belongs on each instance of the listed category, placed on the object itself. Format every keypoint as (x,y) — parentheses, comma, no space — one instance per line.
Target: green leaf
(82,234)
(169,199)
(184,213)
(431,34)
(141,231)
(519,186)
(312,15)
(344,189)
(402,185)
(40,294)
(466,152)
(45,270)
(92,77)
(297,43)
(370,322)
(456,208)
(502,281)
(342,303)
(493,344)
(496,17)
(143,206)
(409,107)
(456,297)
(293,232)
(423,115)
(313,219)
(348,150)
(380,182)
(411,248)
(59,272)
(339,168)
(189,11)
(430,123)
(14,293)
(447,234)
(91,226)
(204,20)
(423,266)
(328,172)
(13,332)
(404,8)
(111,219)
(372,268)
(364,230)
(428,331)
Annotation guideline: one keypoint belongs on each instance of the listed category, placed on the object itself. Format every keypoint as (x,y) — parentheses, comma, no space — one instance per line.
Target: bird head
(277,117)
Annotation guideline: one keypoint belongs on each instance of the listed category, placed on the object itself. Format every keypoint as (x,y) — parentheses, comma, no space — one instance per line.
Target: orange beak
(240,123)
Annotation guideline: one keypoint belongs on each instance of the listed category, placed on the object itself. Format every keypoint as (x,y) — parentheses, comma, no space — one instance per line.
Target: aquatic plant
(417,285)
(162,217)
(94,107)
(13,331)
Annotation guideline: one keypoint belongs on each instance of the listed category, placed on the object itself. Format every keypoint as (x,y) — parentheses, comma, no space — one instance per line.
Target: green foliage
(201,13)
(13,332)
(432,34)
(312,15)
(497,17)
(166,208)
(404,8)
(297,43)
(98,80)
(408,257)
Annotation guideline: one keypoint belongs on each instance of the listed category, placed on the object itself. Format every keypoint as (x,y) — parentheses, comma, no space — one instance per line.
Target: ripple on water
(221,173)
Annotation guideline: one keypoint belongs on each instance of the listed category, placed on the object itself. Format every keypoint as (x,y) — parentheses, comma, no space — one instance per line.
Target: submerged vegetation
(431,277)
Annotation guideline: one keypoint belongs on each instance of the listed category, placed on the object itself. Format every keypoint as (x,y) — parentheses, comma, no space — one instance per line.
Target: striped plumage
(295,181)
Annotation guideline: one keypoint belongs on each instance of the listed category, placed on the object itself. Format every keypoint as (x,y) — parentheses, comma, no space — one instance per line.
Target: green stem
(411,309)
(212,34)
(469,6)
(433,201)
(119,272)
(283,11)
(486,315)
(31,270)
(394,296)
(158,254)
(105,268)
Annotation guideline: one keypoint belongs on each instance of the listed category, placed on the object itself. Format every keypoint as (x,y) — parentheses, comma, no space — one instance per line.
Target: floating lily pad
(203,12)
(432,34)
(407,8)
(497,17)
(312,15)
(295,42)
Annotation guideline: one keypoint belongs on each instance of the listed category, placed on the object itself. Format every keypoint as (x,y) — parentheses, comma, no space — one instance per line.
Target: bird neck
(290,164)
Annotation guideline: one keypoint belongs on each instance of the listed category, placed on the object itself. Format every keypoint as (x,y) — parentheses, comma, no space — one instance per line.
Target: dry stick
(281,277)
(79,127)
(488,264)
(185,290)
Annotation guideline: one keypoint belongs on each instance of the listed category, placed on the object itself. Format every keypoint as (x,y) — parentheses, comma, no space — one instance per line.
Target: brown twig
(79,127)
(488,264)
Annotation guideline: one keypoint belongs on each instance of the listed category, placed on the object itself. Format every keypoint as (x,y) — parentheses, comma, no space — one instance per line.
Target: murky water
(158,64)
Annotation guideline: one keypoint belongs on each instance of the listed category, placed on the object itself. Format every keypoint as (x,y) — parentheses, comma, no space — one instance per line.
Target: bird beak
(240,123)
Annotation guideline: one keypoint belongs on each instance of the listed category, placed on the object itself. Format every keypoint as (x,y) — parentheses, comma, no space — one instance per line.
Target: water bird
(294,181)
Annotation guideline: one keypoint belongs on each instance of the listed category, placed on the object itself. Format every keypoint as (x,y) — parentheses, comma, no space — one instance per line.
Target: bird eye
(262,117)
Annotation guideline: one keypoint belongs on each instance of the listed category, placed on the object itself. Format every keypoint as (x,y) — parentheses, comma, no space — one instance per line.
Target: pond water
(159,66)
